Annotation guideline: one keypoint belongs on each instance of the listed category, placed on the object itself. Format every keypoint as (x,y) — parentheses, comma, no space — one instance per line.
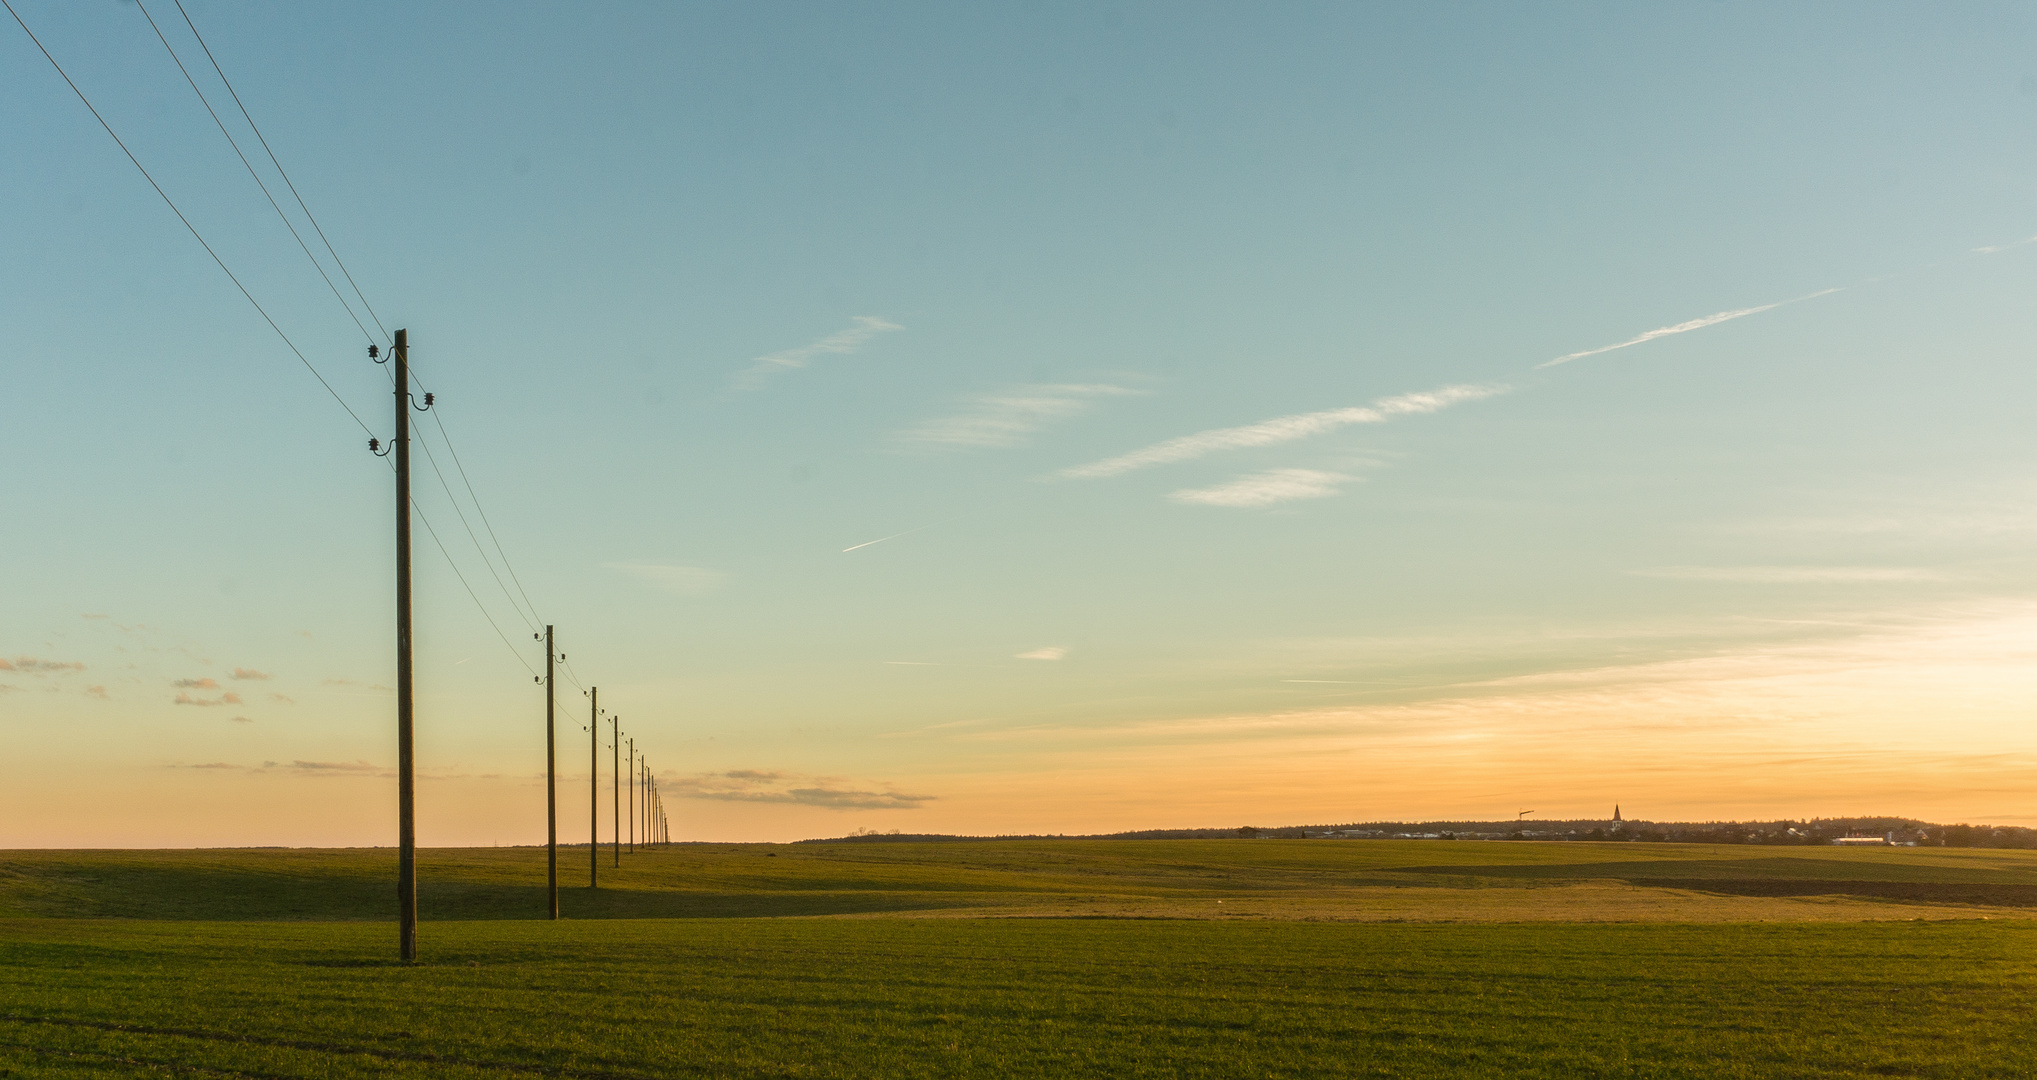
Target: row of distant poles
(647,823)
(647,810)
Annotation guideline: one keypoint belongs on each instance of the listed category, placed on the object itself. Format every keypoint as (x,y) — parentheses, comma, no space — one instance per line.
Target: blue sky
(710,294)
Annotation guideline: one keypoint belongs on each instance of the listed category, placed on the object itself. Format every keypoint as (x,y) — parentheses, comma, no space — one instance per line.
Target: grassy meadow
(1029,958)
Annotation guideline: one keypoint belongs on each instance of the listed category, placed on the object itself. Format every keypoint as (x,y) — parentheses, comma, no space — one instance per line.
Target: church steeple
(1616,811)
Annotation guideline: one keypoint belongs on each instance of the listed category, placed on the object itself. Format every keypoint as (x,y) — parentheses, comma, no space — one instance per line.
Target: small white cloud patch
(1051,652)
(860,329)
(1267,488)
(1005,419)
(682,580)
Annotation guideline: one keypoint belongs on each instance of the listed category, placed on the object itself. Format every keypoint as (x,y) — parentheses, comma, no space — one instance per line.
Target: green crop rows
(280,964)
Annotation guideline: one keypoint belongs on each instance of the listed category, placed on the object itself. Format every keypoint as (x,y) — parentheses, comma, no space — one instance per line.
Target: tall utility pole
(615,780)
(551,782)
(594,787)
(406,780)
(633,794)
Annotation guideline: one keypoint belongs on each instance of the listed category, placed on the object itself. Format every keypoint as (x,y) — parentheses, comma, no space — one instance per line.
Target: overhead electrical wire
(171,203)
(448,437)
(251,170)
(434,534)
(485,561)
(532,622)
(284,173)
(473,496)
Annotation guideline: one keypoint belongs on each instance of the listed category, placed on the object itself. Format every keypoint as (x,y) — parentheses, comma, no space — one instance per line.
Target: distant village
(1844,832)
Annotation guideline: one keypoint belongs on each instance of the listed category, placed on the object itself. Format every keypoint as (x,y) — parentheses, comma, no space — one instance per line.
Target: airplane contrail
(1682,328)
(907,532)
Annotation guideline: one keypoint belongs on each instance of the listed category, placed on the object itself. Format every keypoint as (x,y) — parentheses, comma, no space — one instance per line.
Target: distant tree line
(1813,831)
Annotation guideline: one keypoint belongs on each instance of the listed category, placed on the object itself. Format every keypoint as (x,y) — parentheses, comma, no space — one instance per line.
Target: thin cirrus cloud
(249,673)
(847,340)
(1282,429)
(196,684)
(1266,488)
(1792,575)
(762,786)
(679,580)
(2004,247)
(1005,419)
(300,768)
(1051,652)
(1682,328)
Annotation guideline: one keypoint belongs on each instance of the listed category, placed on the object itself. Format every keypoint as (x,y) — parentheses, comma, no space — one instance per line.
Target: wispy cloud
(1282,429)
(1792,575)
(284,698)
(2004,247)
(223,699)
(1267,488)
(309,768)
(1051,652)
(95,691)
(31,664)
(860,329)
(196,684)
(762,786)
(249,673)
(243,719)
(338,768)
(1682,328)
(683,580)
(1005,419)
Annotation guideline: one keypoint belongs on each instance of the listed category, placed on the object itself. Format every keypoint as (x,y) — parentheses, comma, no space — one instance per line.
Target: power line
(180,217)
(470,531)
(251,171)
(532,620)
(463,581)
(273,161)
(447,436)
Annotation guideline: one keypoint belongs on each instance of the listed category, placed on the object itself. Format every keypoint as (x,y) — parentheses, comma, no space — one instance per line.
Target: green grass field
(1037,958)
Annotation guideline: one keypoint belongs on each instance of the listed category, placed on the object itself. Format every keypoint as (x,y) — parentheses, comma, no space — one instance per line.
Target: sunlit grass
(920,998)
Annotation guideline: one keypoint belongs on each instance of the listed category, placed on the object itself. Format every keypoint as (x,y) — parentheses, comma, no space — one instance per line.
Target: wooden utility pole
(615,780)
(551,782)
(594,787)
(406,780)
(633,794)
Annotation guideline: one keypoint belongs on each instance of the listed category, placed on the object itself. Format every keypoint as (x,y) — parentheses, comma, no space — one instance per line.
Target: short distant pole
(594,787)
(615,780)
(551,781)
